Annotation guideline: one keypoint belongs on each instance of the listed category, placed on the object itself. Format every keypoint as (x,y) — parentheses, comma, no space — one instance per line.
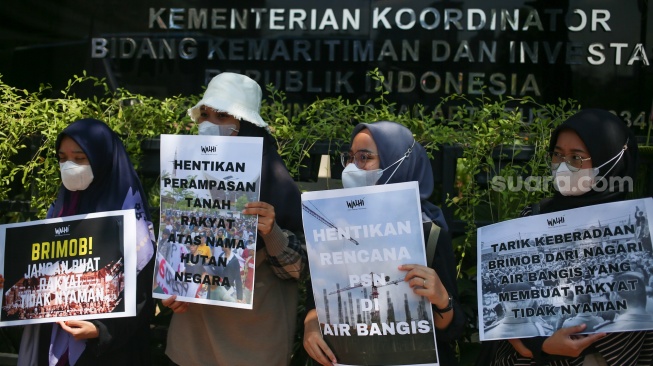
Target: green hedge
(490,133)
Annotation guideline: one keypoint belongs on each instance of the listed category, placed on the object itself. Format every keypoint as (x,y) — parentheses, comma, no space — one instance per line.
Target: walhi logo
(555,221)
(209,149)
(64,230)
(360,203)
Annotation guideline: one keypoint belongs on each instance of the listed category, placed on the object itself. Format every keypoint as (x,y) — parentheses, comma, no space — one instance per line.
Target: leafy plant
(495,142)
(32,120)
(331,120)
(504,162)
(504,167)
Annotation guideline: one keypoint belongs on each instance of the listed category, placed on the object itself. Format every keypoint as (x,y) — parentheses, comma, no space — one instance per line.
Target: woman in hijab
(384,153)
(98,176)
(594,161)
(215,335)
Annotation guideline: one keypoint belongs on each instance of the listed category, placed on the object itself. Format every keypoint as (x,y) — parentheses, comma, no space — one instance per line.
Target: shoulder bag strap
(432,243)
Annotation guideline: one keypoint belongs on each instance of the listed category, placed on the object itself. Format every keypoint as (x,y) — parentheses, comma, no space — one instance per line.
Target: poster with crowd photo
(206,248)
(591,265)
(76,267)
(356,239)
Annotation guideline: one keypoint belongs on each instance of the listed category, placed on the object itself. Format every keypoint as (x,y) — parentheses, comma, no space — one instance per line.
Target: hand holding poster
(205,243)
(356,240)
(589,265)
(74,267)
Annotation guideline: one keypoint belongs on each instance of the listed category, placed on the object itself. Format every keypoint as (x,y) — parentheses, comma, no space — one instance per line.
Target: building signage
(596,53)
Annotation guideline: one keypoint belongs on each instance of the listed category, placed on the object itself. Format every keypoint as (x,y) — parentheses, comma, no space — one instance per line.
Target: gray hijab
(393,141)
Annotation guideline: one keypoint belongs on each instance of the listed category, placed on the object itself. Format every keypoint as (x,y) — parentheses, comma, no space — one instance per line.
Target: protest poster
(356,239)
(588,265)
(206,247)
(69,268)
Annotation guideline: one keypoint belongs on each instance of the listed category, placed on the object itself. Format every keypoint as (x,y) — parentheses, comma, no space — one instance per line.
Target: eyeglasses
(574,162)
(359,158)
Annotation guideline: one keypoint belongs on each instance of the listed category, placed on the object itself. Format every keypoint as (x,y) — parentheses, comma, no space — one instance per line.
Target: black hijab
(604,135)
(277,187)
(393,141)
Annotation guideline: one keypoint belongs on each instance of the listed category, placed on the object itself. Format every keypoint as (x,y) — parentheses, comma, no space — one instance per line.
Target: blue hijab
(393,141)
(115,184)
(113,172)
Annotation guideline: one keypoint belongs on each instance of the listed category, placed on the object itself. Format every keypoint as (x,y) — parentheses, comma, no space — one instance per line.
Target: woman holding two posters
(98,176)
(588,151)
(384,153)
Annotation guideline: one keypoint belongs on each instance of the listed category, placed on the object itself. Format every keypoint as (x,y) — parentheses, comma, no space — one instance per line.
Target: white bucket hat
(235,94)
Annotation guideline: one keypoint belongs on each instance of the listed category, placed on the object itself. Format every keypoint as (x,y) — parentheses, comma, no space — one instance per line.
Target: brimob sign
(76,267)
(588,265)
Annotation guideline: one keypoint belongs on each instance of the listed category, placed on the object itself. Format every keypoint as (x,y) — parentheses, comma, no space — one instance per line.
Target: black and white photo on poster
(591,265)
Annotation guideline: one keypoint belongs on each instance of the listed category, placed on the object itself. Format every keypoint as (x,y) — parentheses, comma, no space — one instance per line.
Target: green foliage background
(490,133)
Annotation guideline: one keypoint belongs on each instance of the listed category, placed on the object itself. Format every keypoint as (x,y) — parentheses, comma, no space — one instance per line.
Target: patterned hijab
(393,141)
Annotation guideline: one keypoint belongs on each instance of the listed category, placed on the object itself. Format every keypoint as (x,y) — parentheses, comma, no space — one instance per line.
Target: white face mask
(211,129)
(75,177)
(352,176)
(570,183)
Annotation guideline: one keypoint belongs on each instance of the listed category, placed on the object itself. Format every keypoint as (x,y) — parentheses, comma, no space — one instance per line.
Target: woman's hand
(519,346)
(565,341)
(314,343)
(80,329)
(425,282)
(265,212)
(176,306)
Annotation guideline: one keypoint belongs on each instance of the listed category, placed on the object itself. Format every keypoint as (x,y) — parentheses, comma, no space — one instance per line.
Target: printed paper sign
(206,247)
(356,239)
(76,267)
(588,265)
